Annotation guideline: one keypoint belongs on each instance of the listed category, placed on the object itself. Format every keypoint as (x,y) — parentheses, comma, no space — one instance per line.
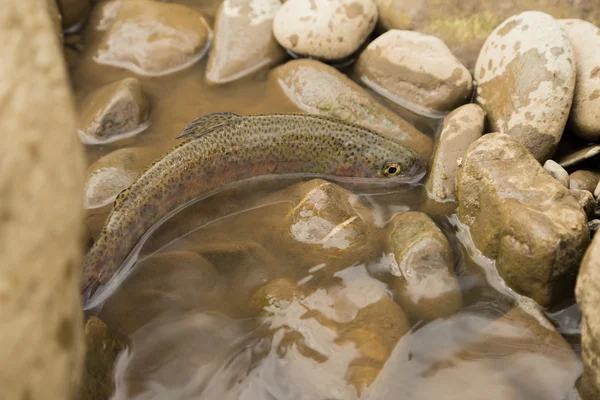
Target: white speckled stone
(326,29)
(557,172)
(416,71)
(585,115)
(526,79)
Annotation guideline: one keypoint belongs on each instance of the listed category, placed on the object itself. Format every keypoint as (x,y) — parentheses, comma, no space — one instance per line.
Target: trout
(222,148)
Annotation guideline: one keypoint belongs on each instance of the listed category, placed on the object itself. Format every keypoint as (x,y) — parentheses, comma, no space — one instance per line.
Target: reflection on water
(228,301)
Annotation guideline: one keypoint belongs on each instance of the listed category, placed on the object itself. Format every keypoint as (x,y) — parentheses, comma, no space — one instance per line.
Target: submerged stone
(152,38)
(525,78)
(317,88)
(522,217)
(460,128)
(113,112)
(424,281)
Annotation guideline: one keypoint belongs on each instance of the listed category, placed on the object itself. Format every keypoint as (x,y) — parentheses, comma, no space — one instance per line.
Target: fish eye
(391,169)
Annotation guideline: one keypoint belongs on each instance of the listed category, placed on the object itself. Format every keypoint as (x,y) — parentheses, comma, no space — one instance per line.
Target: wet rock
(327,225)
(166,38)
(522,217)
(586,201)
(424,282)
(276,291)
(465,24)
(534,108)
(74,13)
(102,349)
(460,128)
(584,120)
(107,177)
(114,112)
(584,180)
(244,41)
(316,88)
(579,156)
(415,71)
(41,213)
(329,30)
(173,282)
(557,172)
(588,298)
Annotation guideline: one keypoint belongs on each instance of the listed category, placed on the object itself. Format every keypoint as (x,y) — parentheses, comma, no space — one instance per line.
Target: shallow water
(187,303)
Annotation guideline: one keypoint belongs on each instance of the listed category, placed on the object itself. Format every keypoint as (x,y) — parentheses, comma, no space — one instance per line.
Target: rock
(316,88)
(534,108)
(579,156)
(460,128)
(104,14)
(276,291)
(424,281)
(557,172)
(74,13)
(166,37)
(465,24)
(597,191)
(415,71)
(102,349)
(52,10)
(41,211)
(327,225)
(588,298)
(586,201)
(244,41)
(584,180)
(116,111)
(594,225)
(522,217)
(328,30)
(584,120)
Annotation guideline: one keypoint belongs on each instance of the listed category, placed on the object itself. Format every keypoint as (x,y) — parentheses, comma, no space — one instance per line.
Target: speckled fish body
(219,149)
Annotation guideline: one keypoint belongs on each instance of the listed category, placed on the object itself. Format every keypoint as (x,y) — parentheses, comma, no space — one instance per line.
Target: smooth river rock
(585,40)
(316,88)
(114,112)
(579,156)
(584,180)
(588,298)
(424,282)
(244,41)
(465,24)
(586,200)
(521,216)
(557,172)
(525,78)
(460,128)
(41,211)
(328,30)
(416,71)
(166,38)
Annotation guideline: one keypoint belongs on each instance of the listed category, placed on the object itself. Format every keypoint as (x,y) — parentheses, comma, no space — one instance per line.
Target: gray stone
(579,156)
(522,217)
(114,112)
(534,108)
(329,30)
(557,172)
(416,71)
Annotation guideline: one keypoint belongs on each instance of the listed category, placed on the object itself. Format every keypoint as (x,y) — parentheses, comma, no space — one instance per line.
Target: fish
(220,149)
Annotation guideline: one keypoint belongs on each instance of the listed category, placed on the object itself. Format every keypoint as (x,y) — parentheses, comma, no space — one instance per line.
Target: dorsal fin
(208,123)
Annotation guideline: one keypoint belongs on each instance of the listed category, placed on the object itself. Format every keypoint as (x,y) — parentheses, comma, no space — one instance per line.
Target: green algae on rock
(522,217)
(317,88)
(424,283)
(223,148)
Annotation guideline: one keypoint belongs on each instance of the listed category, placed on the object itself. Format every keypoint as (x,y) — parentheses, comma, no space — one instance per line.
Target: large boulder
(523,217)
(41,211)
(588,297)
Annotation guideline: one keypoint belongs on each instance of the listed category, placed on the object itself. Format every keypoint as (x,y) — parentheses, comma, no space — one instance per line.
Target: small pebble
(557,172)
